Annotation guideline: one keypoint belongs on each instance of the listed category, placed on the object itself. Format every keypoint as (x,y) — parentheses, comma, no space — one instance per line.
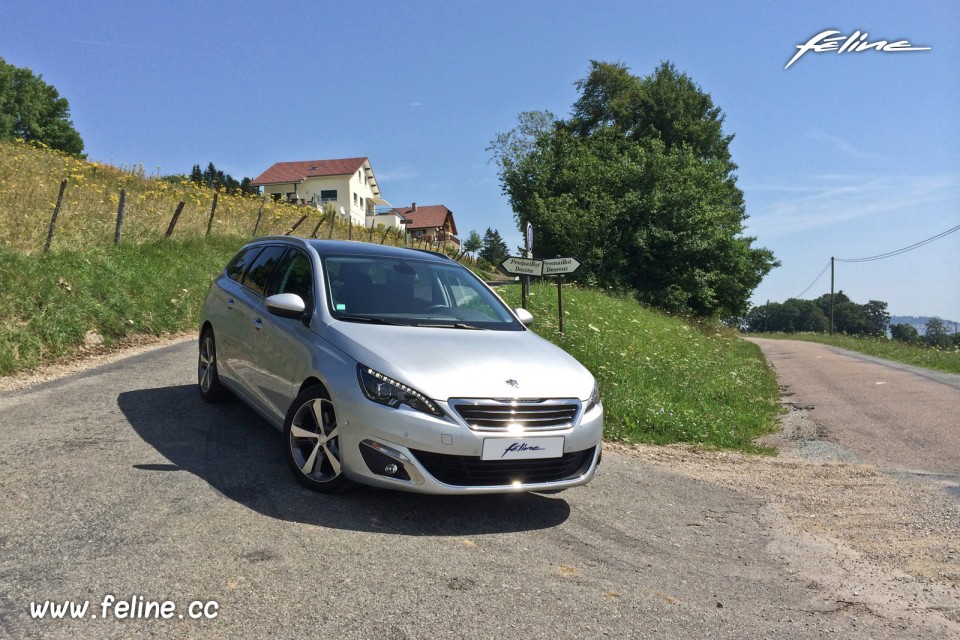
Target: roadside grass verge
(662,379)
(947,360)
(54,303)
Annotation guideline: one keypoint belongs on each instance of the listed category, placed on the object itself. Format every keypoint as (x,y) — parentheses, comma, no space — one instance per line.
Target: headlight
(385,390)
(594,399)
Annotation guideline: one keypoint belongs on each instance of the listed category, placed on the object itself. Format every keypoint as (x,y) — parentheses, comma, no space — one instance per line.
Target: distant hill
(920,322)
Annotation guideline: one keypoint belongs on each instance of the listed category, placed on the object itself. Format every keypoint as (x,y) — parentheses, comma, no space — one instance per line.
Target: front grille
(501,416)
(471,471)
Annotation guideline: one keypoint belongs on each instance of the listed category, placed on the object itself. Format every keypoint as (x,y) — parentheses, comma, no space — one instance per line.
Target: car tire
(208,380)
(312,441)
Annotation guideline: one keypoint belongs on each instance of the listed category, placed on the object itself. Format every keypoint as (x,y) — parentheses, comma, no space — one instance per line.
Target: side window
(293,275)
(240,262)
(261,268)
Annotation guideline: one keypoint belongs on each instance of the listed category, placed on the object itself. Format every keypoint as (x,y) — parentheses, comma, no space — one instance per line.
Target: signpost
(526,267)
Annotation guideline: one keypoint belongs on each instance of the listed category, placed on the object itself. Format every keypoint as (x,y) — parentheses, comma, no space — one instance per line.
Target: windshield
(390,290)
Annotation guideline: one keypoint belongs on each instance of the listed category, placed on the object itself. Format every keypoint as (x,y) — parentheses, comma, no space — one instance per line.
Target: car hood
(445,363)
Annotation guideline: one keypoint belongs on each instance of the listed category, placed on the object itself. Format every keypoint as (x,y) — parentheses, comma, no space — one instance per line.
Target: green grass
(662,379)
(51,302)
(947,360)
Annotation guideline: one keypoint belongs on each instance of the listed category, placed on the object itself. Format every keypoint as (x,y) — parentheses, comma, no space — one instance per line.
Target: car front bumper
(413,451)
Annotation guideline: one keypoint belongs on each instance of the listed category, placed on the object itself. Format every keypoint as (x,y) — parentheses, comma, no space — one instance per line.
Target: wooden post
(333,221)
(350,229)
(560,300)
(259,215)
(317,228)
(294,227)
(213,210)
(56,213)
(370,234)
(383,236)
(120,207)
(173,220)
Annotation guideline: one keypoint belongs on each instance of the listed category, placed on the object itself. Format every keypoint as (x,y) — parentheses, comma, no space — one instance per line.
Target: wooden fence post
(56,213)
(294,227)
(173,220)
(213,210)
(120,207)
(383,236)
(370,234)
(317,228)
(259,215)
(333,221)
(350,229)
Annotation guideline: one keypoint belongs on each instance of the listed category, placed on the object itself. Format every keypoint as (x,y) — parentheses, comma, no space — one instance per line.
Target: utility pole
(831,295)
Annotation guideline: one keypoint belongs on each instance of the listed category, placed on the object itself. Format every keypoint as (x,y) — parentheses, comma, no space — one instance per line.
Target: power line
(897,252)
(819,275)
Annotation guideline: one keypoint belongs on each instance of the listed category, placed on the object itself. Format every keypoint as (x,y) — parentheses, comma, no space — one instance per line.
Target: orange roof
(432,215)
(283,172)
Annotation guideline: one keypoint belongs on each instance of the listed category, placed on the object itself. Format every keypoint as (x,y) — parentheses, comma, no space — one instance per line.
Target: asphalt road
(121,481)
(894,415)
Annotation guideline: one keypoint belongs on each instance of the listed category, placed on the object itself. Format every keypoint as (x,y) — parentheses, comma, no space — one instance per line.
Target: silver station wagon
(396,368)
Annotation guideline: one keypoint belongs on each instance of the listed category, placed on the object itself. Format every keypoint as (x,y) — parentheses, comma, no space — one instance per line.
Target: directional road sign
(522,266)
(559,266)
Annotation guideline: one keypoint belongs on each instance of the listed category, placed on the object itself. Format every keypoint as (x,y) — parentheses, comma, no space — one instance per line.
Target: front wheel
(312,441)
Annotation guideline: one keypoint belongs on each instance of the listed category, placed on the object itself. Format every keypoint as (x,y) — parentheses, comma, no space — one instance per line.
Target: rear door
(248,299)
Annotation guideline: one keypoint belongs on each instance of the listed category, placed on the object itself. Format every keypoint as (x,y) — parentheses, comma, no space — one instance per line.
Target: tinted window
(261,268)
(240,262)
(410,291)
(293,275)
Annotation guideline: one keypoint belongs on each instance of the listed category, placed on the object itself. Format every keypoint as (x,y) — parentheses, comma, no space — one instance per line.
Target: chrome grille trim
(492,415)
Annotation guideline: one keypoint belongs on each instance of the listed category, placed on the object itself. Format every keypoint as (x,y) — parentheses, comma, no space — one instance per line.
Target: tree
(905,333)
(473,243)
(639,186)
(792,316)
(936,333)
(877,318)
(33,110)
(494,248)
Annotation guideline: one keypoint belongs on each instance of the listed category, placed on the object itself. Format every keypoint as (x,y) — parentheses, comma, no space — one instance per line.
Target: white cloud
(807,203)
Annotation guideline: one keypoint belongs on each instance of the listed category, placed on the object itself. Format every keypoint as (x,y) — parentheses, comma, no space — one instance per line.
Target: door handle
(230,302)
(258,324)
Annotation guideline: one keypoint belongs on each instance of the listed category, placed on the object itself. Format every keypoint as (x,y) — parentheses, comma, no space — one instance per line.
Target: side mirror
(287,305)
(524,316)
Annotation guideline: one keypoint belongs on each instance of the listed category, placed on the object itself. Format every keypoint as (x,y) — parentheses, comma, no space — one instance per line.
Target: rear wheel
(312,441)
(208,381)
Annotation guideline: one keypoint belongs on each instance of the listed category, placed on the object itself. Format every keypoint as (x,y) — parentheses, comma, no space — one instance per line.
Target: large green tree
(33,110)
(639,186)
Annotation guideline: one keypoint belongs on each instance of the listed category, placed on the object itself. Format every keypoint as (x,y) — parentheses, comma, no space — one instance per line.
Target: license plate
(522,448)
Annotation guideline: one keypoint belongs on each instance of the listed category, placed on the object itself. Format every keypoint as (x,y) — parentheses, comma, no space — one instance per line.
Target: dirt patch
(865,539)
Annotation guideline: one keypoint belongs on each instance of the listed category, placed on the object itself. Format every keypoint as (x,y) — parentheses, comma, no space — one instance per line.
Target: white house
(348,183)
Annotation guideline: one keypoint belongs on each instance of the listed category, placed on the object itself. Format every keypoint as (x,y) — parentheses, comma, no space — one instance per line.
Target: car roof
(355,248)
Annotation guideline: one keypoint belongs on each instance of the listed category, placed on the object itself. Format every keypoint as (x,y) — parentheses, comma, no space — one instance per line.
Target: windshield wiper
(449,325)
(367,320)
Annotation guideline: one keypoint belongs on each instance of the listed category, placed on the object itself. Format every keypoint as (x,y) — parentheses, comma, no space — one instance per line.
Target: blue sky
(849,155)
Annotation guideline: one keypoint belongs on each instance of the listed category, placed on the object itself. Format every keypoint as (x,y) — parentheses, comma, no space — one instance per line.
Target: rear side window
(240,262)
(261,268)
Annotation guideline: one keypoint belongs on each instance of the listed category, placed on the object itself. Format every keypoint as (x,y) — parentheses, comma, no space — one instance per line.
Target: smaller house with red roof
(348,184)
(433,224)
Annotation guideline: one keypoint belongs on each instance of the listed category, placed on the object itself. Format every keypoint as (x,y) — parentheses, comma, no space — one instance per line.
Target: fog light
(390,469)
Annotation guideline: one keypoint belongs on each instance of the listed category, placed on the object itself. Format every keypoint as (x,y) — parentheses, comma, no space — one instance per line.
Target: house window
(361,201)
(354,198)
(328,195)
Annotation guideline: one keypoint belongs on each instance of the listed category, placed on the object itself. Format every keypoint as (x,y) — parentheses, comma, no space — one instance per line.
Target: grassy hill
(662,379)
(85,290)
